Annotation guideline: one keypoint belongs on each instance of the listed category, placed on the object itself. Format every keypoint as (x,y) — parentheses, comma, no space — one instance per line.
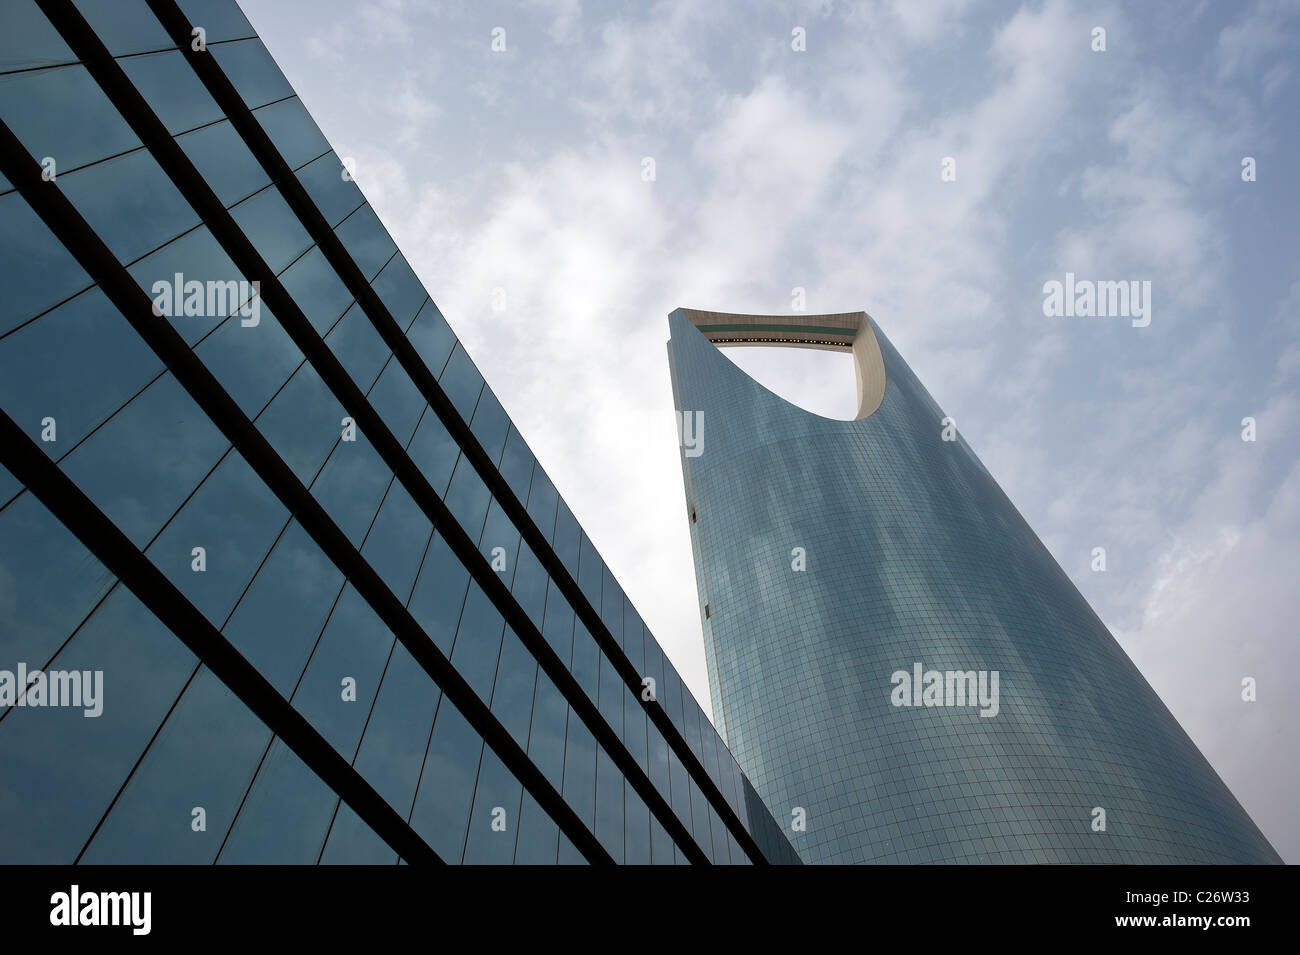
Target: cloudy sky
(524,169)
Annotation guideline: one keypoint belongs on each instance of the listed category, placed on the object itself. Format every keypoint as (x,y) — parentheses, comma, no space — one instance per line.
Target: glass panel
(432,337)
(351,485)
(197,256)
(251,362)
(517,466)
(638,828)
(586,659)
(130,203)
(222,19)
(634,728)
(339,684)
(478,642)
(442,804)
(538,840)
(352,842)
(77,365)
(547,729)
(293,131)
(125,26)
(439,594)
(319,292)
(499,542)
(235,518)
(467,498)
(49,581)
(62,769)
(462,382)
(325,182)
(176,94)
(490,424)
(609,805)
(661,851)
(252,71)
(567,536)
(27,39)
(612,691)
(400,291)
(204,758)
(558,625)
(512,693)
(366,240)
(434,452)
(590,570)
(529,586)
(611,606)
(28,248)
(142,465)
(580,770)
(397,735)
(397,401)
(303,423)
(64,115)
(359,348)
(220,156)
(281,615)
(285,817)
(494,822)
(273,229)
(396,543)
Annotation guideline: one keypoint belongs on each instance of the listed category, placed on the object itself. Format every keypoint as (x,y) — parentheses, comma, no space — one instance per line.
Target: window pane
(538,840)
(358,348)
(546,733)
(341,680)
(252,71)
(462,382)
(494,822)
(439,594)
(172,88)
(478,642)
(28,248)
(279,618)
(442,805)
(251,362)
(319,292)
(222,159)
(77,365)
(351,485)
(397,401)
(293,131)
(609,805)
(366,240)
(27,39)
(49,581)
(400,291)
(512,693)
(142,465)
(336,197)
(197,256)
(63,769)
(285,817)
(235,518)
(273,229)
(125,26)
(432,337)
(434,451)
(204,758)
(352,842)
(397,735)
(63,114)
(130,203)
(396,543)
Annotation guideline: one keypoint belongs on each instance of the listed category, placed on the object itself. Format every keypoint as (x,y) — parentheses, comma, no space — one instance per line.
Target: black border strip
(260,144)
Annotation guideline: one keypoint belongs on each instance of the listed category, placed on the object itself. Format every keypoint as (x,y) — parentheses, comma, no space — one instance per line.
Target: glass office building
(279,580)
(861,584)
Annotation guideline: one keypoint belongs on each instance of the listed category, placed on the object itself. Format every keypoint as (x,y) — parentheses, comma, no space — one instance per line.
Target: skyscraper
(894,657)
(279,579)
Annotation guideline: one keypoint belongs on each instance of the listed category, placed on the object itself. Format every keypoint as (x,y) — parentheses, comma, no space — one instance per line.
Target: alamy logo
(211,299)
(946,688)
(1088,299)
(84,688)
(75,907)
(690,432)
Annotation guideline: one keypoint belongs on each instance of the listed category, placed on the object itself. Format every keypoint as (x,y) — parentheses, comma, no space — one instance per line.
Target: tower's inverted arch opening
(817,381)
(846,333)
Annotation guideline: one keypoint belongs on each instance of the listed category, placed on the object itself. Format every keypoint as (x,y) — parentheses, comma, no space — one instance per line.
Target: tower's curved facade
(896,660)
